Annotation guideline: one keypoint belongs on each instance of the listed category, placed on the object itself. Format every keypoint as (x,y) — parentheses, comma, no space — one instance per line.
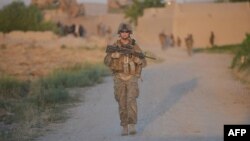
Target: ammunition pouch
(123,64)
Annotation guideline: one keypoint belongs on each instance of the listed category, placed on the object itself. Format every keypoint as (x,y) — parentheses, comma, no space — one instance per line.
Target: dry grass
(29,61)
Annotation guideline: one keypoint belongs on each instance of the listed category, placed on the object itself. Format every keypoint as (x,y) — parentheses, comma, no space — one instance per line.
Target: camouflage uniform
(126,70)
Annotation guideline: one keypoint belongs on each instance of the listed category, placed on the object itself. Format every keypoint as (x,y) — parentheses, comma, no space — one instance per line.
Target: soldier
(82,31)
(163,37)
(126,70)
(189,43)
(178,41)
(172,40)
(211,39)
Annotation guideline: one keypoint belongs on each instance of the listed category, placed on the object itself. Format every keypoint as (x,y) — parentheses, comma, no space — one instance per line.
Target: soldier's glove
(137,60)
(115,55)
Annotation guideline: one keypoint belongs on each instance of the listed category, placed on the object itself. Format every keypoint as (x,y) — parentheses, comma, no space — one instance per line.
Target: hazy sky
(4,2)
(28,1)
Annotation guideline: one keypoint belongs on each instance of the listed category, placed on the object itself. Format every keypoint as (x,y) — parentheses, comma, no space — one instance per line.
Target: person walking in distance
(189,43)
(163,40)
(211,39)
(126,70)
(178,41)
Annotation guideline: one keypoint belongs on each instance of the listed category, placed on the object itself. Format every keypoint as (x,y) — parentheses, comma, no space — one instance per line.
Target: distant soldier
(168,41)
(178,41)
(163,38)
(126,68)
(189,43)
(100,29)
(172,40)
(211,39)
(82,31)
(76,30)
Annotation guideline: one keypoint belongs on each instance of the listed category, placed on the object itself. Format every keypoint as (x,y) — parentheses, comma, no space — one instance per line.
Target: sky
(4,2)
(28,1)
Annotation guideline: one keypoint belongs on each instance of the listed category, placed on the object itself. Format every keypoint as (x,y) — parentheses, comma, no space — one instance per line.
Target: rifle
(127,51)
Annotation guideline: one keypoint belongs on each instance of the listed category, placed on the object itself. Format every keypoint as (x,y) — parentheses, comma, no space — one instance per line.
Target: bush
(76,76)
(48,26)
(52,89)
(134,11)
(12,88)
(17,16)
(242,57)
(232,49)
(33,105)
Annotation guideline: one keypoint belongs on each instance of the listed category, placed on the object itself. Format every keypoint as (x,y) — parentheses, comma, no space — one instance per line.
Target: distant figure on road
(189,43)
(178,41)
(126,68)
(82,31)
(101,29)
(168,41)
(79,30)
(211,39)
(163,40)
(172,40)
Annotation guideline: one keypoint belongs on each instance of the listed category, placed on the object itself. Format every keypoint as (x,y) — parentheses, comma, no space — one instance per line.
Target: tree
(134,11)
(241,59)
(17,16)
(239,0)
(232,0)
(153,3)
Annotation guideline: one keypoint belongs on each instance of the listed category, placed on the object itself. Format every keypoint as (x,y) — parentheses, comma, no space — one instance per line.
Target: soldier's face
(124,34)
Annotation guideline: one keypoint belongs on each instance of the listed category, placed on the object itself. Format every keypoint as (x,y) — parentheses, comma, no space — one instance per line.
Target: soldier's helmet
(124,27)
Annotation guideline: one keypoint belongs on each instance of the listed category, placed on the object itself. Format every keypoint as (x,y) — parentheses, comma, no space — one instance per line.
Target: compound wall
(229,22)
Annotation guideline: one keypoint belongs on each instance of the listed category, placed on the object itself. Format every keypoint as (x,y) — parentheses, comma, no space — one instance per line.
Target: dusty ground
(183,99)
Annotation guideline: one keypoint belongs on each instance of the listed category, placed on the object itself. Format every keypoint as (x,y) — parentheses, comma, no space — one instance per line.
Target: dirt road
(183,99)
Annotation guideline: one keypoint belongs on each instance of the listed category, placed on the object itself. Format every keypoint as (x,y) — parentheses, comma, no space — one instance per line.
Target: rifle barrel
(150,57)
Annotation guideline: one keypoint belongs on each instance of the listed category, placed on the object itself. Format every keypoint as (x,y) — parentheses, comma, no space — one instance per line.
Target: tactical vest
(121,63)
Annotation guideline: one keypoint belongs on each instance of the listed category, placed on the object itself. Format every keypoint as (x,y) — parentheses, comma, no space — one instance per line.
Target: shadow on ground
(171,97)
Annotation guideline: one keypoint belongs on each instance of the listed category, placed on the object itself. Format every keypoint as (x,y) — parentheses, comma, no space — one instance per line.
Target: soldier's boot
(132,129)
(124,130)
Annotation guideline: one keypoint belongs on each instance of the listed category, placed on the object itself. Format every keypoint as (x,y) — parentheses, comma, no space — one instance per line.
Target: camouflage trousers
(126,93)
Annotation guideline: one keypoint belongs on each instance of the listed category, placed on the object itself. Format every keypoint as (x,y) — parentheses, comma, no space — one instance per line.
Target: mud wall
(229,22)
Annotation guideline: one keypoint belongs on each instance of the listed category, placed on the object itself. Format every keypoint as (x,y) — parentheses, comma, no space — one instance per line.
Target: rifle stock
(112,49)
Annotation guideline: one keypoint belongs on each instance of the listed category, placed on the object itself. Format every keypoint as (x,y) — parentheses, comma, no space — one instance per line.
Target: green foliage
(242,57)
(77,76)
(239,0)
(17,16)
(231,0)
(44,95)
(153,3)
(220,49)
(134,11)
(48,26)
(34,104)
(12,88)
